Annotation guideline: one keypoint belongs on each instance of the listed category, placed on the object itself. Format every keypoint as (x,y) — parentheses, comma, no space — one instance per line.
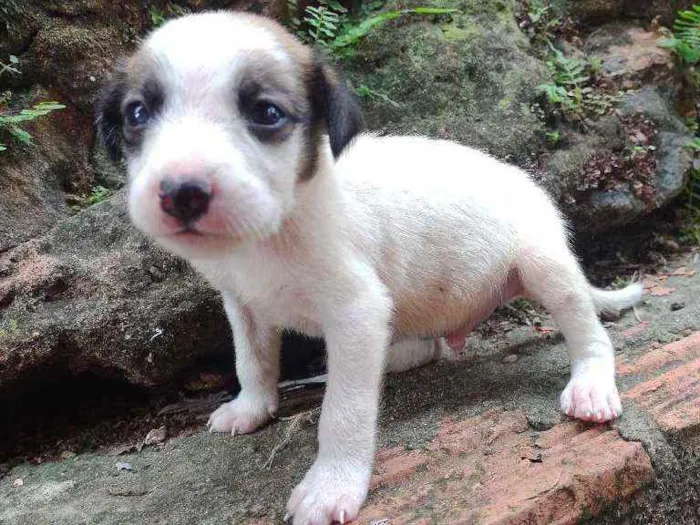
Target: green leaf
(430,11)
(667,42)
(49,106)
(353,34)
(20,134)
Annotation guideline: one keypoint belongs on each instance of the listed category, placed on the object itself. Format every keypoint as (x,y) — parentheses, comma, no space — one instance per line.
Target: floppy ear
(334,104)
(108,117)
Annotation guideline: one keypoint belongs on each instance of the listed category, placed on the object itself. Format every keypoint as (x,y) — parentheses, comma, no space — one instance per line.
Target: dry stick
(636,314)
(294,422)
(195,405)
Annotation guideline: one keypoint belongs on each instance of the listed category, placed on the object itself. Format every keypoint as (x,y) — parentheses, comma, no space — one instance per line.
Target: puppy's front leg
(257,346)
(335,487)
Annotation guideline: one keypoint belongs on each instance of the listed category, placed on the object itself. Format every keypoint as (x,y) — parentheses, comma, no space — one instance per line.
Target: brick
(635,330)
(669,387)
(494,469)
(395,465)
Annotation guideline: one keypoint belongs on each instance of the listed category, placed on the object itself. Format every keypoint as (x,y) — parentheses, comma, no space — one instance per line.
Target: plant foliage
(11,124)
(159,17)
(685,40)
(569,72)
(572,88)
(10,67)
(97,194)
(329,25)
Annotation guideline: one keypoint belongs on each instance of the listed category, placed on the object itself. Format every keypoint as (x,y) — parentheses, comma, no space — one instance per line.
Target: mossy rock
(598,11)
(468,77)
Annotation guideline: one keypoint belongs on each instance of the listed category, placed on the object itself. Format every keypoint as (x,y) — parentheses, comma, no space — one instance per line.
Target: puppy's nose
(187,201)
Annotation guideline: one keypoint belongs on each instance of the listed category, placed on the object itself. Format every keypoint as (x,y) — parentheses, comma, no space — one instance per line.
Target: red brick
(670,386)
(494,469)
(396,464)
(635,330)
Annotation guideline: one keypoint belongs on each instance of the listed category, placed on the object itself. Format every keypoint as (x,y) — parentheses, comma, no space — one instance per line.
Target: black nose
(187,201)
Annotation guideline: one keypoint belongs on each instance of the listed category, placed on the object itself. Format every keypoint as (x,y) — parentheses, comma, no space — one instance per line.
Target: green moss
(467,79)
(455,32)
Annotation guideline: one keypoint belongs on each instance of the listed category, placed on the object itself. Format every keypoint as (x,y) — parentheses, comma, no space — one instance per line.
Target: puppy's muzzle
(187,201)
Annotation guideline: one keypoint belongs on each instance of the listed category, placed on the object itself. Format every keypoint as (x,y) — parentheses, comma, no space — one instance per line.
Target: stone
(37,178)
(630,55)
(82,298)
(468,77)
(599,179)
(82,292)
(677,306)
(74,292)
(591,11)
(65,55)
(596,11)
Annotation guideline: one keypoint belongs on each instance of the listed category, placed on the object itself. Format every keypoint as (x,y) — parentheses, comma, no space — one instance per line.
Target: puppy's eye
(137,115)
(267,114)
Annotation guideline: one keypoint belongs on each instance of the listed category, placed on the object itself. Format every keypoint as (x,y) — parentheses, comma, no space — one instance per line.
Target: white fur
(402,240)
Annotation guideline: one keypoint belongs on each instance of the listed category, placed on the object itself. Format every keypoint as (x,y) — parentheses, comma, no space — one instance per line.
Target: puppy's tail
(612,301)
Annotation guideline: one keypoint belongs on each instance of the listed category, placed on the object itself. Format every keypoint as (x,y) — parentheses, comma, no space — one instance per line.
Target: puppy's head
(220,117)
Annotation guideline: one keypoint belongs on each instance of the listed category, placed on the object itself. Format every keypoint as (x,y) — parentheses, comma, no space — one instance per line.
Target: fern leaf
(353,34)
(20,134)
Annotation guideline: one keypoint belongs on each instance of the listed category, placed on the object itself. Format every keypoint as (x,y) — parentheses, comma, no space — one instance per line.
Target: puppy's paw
(242,415)
(328,494)
(591,395)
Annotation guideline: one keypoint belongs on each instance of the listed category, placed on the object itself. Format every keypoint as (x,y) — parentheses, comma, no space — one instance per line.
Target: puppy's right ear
(108,115)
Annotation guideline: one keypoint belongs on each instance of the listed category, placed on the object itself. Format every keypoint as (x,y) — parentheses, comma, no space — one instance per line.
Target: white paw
(242,415)
(591,395)
(328,494)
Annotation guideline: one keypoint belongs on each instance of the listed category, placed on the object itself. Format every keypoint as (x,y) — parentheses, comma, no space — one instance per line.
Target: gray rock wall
(84,291)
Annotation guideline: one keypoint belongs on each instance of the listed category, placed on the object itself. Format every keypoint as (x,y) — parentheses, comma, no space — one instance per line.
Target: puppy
(245,157)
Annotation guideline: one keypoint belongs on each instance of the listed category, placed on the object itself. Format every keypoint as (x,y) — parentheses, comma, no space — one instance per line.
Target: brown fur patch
(301,89)
(307,67)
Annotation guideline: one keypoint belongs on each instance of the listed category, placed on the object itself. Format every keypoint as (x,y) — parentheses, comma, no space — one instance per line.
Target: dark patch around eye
(152,96)
(251,95)
(108,118)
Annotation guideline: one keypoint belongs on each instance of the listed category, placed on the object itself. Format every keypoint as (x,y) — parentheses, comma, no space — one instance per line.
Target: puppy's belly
(453,315)
(290,318)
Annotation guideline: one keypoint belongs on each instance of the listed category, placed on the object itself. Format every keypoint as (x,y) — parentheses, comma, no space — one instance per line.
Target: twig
(195,405)
(294,422)
(311,381)
(636,314)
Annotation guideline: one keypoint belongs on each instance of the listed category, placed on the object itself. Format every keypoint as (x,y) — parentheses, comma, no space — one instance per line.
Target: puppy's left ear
(334,105)
(108,116)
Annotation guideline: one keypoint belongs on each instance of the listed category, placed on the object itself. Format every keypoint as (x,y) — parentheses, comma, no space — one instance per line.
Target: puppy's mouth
(189,230)
(191,233)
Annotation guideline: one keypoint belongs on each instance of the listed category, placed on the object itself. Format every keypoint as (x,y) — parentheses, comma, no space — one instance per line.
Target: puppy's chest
(283,304)
(278,294)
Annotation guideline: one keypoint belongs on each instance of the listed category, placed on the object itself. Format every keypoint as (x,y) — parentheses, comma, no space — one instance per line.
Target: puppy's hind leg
(551,275)
(412,353)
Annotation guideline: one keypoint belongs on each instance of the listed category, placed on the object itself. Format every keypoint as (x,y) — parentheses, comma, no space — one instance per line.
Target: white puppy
(244,158)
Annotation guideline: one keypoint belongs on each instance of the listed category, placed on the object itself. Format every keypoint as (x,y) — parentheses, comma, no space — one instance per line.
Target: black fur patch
(108,115)
(334,105)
